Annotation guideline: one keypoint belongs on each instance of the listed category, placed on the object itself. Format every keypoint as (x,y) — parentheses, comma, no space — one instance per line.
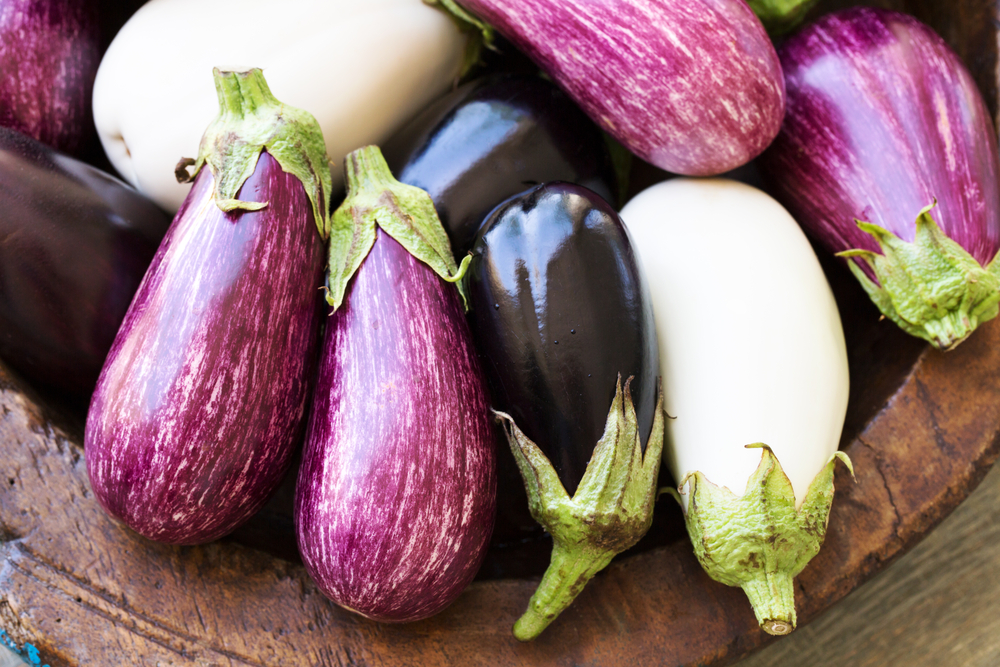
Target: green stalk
(250,120)
(932,288)
(760,541)
(611,510)
(404,212)
(569,571)
(781,16)
(772,597)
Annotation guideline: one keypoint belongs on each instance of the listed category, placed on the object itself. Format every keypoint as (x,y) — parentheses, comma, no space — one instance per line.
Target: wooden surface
(922,430)
(86,591)
(936,606)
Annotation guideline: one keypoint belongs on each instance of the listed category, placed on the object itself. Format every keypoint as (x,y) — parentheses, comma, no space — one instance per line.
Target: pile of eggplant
(480,330)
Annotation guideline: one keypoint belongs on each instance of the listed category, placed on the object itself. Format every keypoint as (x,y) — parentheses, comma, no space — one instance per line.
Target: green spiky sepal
(781,16)
(250,120)
(611,510)
(404,212)
(481,34)
(759,541)
(932,288)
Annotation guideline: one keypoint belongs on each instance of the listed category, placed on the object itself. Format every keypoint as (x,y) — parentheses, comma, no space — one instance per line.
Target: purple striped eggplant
(692,86)
(202,399)
(396,492)
(49,52)
(883,123)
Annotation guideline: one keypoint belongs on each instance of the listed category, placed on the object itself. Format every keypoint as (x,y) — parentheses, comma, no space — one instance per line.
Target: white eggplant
(754,373)
(361,68)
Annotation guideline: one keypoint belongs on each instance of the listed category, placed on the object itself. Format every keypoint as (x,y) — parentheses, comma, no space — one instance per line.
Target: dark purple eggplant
(49,52)
(198,409)
(562,317)
(490,140)
(76,243)
(396,492)
(559,310)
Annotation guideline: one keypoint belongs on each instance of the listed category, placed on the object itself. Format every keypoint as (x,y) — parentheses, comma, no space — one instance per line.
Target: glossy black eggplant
(565,325)
(491,139)
(74,245)
(559,309)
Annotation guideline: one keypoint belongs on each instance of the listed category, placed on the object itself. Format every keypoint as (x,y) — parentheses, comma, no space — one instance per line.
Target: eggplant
(152,100)
(49,52)
(559,309)
(562,316)
(885,125)
(76,243)
(396,493)
(759,413)
(691,86)
(490,140)
(202,400)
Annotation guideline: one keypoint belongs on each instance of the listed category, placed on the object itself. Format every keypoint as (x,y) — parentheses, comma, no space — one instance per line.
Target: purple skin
(396,494)
(882,119)
(692,86)
(49,53)
(76,244)
(202,399)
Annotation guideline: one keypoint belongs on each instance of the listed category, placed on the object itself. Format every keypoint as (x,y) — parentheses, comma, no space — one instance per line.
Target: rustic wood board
(922,429)
(86,591)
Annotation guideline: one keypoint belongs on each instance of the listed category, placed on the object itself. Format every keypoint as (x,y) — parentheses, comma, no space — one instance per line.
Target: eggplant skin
(74,246)
(202,400)
(883,119)
(397,489)
(691,86)
(49,52)
(488,141)
(559,309)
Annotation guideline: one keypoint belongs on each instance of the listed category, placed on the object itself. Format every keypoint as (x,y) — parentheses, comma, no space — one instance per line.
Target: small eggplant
(396,493)
(198,409)
(490,140)
(691,86)
(561,313)
(76,243)
(883,122)
(49,51)
(755,371)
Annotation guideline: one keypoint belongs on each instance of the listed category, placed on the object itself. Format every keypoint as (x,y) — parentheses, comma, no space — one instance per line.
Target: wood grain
(922,429)
(86,591)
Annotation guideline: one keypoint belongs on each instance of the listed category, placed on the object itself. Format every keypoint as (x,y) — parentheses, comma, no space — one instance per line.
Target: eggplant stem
(772,597)
(568,573)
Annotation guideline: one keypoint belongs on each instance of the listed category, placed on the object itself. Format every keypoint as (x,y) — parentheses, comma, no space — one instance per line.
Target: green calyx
(611,510)
(404,212)
(932,288)
(760,541)
(781,16)
(250,120)
(481,34)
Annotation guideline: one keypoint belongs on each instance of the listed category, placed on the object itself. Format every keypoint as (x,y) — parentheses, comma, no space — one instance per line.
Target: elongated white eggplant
(153,96)
(755,373)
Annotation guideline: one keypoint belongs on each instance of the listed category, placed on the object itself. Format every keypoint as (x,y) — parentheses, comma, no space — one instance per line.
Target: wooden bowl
(922,430)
